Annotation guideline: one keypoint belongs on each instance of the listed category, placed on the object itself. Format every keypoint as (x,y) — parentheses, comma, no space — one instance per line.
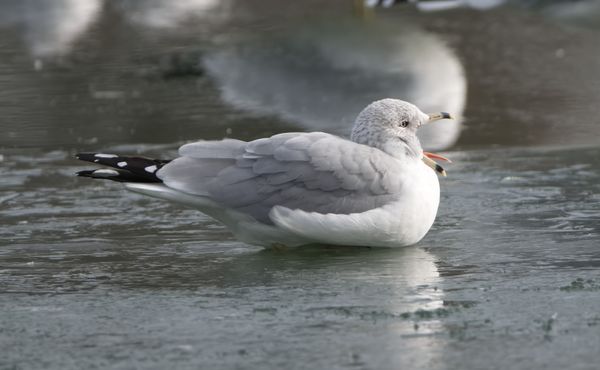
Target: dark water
(92,276)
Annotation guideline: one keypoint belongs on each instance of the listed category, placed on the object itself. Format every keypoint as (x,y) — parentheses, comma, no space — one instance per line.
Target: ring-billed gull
(377,189)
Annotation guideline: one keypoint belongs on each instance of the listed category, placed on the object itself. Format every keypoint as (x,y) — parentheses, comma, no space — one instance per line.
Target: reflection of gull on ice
(419,270)
(409,276)
(50,26)
(320,76)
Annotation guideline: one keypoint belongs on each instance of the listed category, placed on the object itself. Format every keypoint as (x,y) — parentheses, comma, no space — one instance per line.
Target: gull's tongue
(427,158)
(436,156)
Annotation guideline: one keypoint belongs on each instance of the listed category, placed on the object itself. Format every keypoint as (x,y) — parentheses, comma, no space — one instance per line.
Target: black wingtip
(123,169)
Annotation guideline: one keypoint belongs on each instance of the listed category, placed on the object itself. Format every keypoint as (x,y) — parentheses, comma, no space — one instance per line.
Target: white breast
(401,223)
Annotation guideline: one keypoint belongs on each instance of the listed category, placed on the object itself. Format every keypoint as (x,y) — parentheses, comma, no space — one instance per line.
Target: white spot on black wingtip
(96,160)
(105,173)
(122,164)
(102,155)
(151,169)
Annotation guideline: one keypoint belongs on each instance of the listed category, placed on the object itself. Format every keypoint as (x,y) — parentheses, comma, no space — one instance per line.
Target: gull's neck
(401,148)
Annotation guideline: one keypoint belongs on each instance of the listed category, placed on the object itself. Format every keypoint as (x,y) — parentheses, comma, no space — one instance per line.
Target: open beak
(428,158)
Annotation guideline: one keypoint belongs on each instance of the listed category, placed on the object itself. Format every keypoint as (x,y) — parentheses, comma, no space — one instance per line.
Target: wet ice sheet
(93,275)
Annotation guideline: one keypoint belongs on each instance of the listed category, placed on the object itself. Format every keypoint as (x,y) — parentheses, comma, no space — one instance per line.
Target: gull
(378,189)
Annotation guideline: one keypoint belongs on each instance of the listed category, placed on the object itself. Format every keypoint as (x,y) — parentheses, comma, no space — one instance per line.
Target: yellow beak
(438,116)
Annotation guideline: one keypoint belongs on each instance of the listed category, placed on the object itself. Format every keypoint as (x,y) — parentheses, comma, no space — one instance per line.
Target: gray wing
(315,172)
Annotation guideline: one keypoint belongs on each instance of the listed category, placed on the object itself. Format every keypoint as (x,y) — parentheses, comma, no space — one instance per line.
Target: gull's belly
(415,211)
(400,223)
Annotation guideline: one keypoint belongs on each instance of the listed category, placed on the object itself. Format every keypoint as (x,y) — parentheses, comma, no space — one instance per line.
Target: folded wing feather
(314,172)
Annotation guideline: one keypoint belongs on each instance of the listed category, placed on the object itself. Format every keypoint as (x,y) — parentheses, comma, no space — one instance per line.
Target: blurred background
(84,73)
(93,276)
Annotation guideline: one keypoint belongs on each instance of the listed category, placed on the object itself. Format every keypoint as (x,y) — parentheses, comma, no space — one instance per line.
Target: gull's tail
(124,169)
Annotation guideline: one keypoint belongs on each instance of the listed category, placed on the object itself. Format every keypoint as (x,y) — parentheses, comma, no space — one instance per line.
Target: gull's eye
(404,123)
